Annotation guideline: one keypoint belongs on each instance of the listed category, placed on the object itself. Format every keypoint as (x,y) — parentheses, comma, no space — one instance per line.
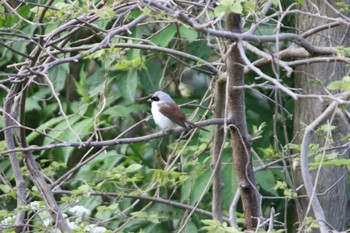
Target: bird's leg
(167,131)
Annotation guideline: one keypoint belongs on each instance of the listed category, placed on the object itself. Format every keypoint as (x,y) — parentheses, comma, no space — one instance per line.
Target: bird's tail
(193,125)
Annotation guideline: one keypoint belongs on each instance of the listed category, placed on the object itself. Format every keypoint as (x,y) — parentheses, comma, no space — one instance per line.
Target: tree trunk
(312,79)
(216,152)
(240,138)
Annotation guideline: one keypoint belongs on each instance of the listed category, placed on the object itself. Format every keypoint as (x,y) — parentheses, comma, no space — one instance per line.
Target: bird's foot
(167,131)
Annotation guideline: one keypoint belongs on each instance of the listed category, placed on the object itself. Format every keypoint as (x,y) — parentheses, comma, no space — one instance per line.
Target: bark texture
(216,152)
(241,143)
(312,78)
(9,121)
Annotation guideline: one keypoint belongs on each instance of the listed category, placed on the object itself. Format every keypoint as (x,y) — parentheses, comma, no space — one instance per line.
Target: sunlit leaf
(164,37)
(5,188)
(237,8)
(343,85)
(133,167)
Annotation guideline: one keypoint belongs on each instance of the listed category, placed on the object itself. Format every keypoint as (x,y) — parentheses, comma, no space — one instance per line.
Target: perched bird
(167,114)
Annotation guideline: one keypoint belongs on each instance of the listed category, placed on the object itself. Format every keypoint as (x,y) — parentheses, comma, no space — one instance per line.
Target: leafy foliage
(101,93)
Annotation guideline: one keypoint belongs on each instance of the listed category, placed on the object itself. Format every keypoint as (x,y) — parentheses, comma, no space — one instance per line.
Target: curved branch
(263,75)
(203,62)
(101,45)
(300,40)
(304,163)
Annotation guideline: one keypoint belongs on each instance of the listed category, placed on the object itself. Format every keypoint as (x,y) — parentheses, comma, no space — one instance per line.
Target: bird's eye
(155,98)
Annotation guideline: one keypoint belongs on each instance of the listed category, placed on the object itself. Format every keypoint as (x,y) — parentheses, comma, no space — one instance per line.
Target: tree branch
(301,41)
(146,198)
(217,148)
(111,142)
(304,164)
(9,138)
(240,139)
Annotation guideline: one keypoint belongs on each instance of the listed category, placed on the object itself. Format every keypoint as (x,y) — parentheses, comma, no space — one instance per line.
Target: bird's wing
(173,112)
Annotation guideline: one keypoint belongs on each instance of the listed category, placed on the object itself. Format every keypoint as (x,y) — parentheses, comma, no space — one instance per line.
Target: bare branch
(9,137)
(304,163)
(263,75)
(147,198)
(112,142)
(246,37)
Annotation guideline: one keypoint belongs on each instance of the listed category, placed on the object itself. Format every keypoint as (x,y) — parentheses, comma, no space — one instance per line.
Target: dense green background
(105,93)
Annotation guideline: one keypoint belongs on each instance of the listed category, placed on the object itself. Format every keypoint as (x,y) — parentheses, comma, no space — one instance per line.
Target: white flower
(92,228)
(73,225)
(35,205)
(79,211)
(9,220)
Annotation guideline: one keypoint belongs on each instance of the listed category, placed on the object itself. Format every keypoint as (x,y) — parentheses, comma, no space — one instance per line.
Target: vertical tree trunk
(15,164)
(313,78)
(216,152)
(239,133)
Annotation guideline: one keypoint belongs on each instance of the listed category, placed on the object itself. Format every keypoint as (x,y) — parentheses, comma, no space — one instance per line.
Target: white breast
(164,122)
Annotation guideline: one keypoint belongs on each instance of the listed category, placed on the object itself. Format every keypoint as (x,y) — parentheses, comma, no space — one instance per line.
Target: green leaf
(237,8)
(80,127)
(150,77)
(134,63)
(133,167)
(188,33)
(342,4)
(332,162)
(227,6)
(190,228)
(4,188)
(46,125)
(323,130)
(58,76)
(82,189)
(335,85)
(343,85)
(227,3)
(219,10)
(32,104)
(139,214)
(128,85)
(95,83)
(199,187)
(269,152)
(164,37)
(153,217)
(214,226)
(125,111)
(229,179)
(105,212)
(59,128)
(280,185)
(147,11)
(250,5)
(105,12)
(266,180)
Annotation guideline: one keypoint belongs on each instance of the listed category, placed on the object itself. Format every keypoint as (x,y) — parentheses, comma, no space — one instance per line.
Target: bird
(167,114)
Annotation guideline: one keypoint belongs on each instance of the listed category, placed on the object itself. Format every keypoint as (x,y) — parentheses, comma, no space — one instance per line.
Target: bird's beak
(149,100)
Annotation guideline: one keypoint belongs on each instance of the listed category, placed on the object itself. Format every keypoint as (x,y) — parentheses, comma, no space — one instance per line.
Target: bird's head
(160,97)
